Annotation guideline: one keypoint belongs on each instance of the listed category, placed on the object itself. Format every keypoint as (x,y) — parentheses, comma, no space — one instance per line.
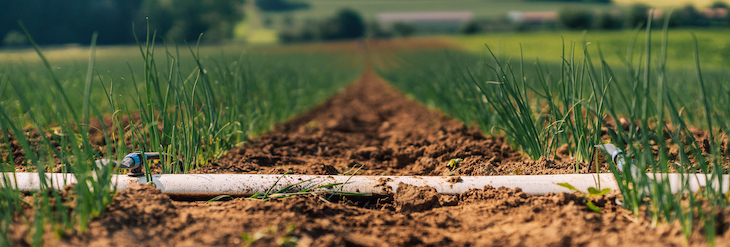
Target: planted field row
(193,105)
(205,112)
(643,106)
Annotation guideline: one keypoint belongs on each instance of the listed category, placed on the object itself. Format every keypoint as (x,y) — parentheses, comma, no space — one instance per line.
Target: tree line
(73,21)
(716,15)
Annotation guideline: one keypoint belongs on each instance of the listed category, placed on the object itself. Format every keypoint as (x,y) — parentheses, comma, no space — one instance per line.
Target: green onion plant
(642,106)
(180,99)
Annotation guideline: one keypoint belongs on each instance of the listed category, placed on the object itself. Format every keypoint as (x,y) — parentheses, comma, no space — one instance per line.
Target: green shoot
(592,192)
(217,198)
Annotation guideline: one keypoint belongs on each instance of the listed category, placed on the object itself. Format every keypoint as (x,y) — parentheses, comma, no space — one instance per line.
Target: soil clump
(142,216)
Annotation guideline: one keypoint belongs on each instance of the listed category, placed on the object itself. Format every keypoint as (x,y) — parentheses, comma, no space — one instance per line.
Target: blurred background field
(541,27)
(482,9)
(714,49)
(282,21)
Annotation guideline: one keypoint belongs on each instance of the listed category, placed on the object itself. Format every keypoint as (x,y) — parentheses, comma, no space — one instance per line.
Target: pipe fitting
(134,162)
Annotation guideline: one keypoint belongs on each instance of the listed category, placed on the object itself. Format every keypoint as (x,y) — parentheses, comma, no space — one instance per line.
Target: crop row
(642,106)
(192,105)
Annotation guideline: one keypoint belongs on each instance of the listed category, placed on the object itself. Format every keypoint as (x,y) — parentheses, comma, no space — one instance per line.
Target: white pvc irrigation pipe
(248,184)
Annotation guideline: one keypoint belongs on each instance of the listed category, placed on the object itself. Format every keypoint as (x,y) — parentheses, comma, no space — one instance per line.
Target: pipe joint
(135,162)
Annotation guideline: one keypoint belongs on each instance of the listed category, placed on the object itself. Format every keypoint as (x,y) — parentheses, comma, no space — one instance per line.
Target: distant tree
(112,19)
(689,16)
(329,29)
(178,20)
(9,16)
(71,21)
(404,29)
(637,15)
(351,24)
(74,21)
(522,26)
(280,5)
(575,18)
(719,5)
(470,27)
(347,24)
(675,19)
(608,20)
(720,20)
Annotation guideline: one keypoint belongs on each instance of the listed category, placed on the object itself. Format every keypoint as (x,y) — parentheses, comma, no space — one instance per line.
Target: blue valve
(133,161)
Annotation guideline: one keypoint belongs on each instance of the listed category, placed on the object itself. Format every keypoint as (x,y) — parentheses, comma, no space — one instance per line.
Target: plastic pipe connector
(133,162)
(618,157)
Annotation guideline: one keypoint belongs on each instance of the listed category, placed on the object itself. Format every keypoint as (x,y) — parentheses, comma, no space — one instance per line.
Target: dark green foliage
(608,20)
(720,20)
(637,15)
(576,18)
(187,19)
(351,24)
(404,29)
(73,21)
(690,16)
(470,27)
(719,5)
(347,24)
(280,5)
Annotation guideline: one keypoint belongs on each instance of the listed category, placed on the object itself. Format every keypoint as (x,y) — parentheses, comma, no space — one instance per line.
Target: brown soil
(373,127)
(59,140)
(414,216)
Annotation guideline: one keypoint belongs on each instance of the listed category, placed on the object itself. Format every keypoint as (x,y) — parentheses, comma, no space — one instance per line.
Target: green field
(714,45)
(572,97)
(192,103)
